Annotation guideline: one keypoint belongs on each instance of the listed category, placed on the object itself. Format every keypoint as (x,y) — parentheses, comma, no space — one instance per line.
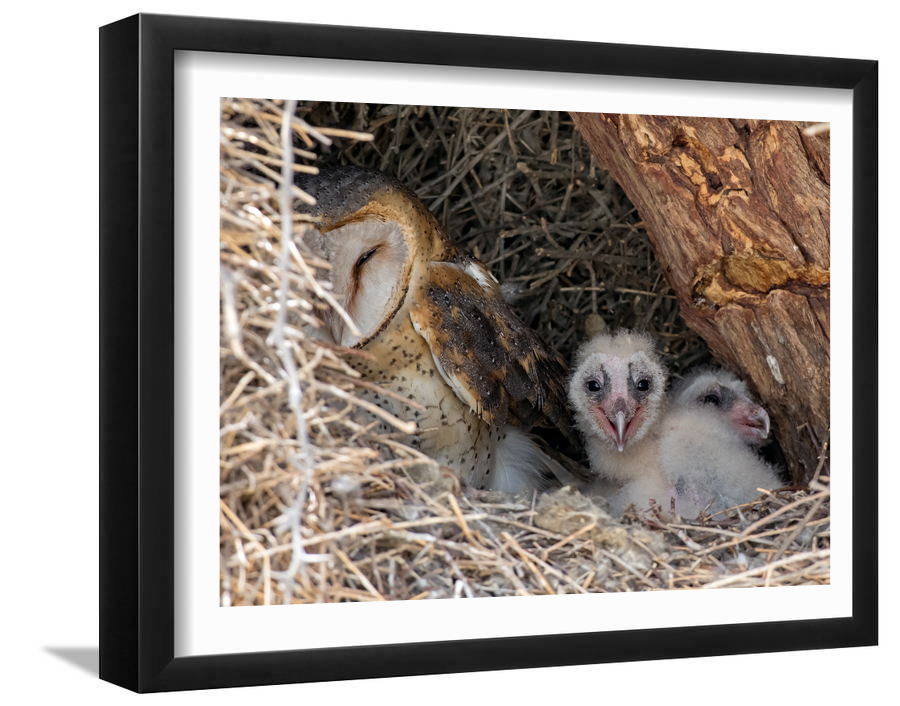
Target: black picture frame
(137,307)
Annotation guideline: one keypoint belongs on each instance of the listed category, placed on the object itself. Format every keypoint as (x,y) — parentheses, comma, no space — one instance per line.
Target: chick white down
(689,455)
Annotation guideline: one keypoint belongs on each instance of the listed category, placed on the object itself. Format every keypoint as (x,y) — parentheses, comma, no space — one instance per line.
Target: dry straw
(317,507)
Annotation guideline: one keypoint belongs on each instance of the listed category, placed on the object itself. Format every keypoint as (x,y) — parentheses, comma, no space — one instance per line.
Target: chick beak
(620,430)
(761,420)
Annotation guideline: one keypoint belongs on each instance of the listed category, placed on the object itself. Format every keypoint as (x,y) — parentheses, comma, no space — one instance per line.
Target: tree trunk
(738,213)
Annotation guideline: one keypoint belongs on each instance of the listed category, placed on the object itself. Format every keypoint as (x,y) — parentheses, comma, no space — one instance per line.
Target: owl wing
(486,354)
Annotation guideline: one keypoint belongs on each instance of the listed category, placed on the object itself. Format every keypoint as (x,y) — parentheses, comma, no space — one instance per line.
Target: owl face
(721,391)
(368,260)
(618,387)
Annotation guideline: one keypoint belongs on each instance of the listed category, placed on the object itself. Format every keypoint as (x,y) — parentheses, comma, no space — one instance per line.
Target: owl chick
(709,441)
(439,329)
(725,392)
(618,394)
(694,453)
(708,462)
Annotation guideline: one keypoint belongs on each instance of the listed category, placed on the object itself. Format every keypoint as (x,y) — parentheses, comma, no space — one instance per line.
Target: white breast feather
(519,462)
(480,275)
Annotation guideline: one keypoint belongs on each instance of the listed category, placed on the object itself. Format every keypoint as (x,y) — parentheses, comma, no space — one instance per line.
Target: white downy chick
(721,390)
(618,395)
(709,463)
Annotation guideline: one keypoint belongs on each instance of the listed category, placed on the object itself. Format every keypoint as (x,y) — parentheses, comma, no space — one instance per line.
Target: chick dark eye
(362,261)
(643,385)
(712,398)
(593,386)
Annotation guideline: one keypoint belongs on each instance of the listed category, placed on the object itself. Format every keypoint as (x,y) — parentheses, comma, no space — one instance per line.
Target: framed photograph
(499,353)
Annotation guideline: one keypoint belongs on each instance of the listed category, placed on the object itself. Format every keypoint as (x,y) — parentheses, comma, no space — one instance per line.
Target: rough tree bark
(738,212)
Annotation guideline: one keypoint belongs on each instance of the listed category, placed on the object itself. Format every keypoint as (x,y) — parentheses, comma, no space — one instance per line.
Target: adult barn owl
(439,329)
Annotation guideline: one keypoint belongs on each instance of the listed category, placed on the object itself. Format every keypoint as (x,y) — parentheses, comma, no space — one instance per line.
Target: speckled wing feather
(492,360)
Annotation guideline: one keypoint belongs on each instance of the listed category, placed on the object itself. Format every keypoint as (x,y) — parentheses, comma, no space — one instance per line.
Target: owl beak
(759,421)
(620,430)
(755,421)
(762,419)
(616,421)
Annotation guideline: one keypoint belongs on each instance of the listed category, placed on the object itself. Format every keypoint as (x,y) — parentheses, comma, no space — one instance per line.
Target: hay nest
(317,507)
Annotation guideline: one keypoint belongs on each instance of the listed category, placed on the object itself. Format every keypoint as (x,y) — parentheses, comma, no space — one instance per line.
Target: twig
(527,558)
(584,530)
(359,574)
(821,554)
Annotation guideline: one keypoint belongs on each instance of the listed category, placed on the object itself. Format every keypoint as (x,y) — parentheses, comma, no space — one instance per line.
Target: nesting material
(317,507)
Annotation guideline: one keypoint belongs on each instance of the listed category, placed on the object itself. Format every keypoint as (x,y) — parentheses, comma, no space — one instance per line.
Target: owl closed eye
(367,260)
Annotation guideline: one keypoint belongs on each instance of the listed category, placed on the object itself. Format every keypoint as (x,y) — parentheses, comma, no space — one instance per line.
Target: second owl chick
(720,390)
(707,461)
(709,441)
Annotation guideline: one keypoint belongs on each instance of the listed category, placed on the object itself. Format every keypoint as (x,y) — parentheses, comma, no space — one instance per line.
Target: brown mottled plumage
(441,332)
